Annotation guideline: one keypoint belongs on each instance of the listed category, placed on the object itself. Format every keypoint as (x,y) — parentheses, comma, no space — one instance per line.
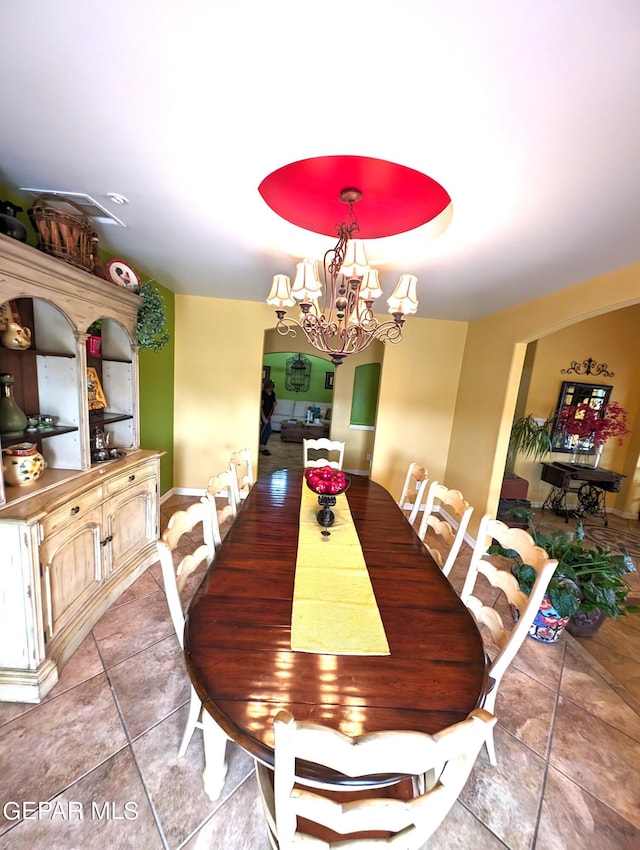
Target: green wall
(156,395)
(319,368)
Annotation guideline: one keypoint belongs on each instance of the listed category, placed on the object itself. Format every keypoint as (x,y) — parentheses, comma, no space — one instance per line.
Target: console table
(590,486)
(296,432)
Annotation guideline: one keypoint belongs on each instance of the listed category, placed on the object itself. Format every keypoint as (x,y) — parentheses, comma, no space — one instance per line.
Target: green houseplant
(530,436)
(588,585)
(151,331)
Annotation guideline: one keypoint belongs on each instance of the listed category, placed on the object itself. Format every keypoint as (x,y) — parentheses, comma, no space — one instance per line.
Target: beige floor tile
(461,830)
(175,785)
(151,685)
(577,819)
(606,767)
(506,798)
(525,708)
(541,661)
(583,686)
(81,822)
(130,628)
(83,664)
(142,586)
(238,825)
(52,747)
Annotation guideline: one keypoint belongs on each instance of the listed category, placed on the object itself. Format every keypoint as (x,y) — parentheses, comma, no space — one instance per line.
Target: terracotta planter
(548,625)
(586,623)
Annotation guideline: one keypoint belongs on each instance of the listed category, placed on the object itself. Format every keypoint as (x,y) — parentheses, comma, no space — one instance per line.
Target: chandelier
(336,317)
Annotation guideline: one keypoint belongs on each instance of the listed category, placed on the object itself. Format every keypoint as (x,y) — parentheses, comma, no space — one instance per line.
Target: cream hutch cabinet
(74,539)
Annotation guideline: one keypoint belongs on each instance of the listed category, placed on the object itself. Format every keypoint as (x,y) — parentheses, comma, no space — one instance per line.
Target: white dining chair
(403,815)
(241,467)
(176,571)
(444,524)
(221,498)
(333,449)
(505,641)
(413,490)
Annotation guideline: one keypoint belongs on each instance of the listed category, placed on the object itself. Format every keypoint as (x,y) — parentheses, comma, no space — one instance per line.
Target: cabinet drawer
(75,507)
(132,476)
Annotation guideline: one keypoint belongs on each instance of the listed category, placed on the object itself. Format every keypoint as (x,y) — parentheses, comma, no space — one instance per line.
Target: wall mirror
(573,393)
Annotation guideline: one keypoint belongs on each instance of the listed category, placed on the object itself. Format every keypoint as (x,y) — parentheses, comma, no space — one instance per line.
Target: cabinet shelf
(99,418)
(36,436)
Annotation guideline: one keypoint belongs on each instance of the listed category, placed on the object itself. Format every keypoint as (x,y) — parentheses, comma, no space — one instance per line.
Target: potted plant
(587,587)
(151,331)
(531,437)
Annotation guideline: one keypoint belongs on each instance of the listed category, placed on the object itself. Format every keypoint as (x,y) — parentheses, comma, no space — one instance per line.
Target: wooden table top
(237,635)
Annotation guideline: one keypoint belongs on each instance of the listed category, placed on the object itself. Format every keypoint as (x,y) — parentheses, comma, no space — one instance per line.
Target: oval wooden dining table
(238,633)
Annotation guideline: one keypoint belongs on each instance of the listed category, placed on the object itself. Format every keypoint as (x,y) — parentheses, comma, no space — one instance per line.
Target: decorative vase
(586,623)
(16,337)
(597,455)
(9,224)
(12,419)
(22,464)
(548,625)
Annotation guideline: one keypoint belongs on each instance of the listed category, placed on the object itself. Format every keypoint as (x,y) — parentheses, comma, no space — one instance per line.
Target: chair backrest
(446,517)
(446,757)
(176,570)
(413,491)
(323,444)
(242,468)
(224,500)
(508,641)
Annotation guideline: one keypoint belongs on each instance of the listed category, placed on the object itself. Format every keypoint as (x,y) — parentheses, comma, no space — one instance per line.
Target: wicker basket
(64,230)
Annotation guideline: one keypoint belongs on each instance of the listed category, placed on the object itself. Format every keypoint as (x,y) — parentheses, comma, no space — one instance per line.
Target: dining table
(238,632)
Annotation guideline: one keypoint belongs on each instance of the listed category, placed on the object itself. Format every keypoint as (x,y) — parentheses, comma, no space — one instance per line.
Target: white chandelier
(338,320)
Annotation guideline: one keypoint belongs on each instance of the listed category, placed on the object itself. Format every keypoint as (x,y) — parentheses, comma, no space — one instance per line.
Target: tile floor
(101,748)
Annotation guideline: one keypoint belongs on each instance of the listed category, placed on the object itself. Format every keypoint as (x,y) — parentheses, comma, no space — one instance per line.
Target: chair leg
(215,765)
(194,712)
(491,748)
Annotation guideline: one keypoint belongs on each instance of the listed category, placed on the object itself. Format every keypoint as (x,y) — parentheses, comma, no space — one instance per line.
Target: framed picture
(266,373)
(97,401)
(328,380)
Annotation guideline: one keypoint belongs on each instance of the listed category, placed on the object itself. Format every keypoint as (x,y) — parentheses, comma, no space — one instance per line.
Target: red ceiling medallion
(311,193)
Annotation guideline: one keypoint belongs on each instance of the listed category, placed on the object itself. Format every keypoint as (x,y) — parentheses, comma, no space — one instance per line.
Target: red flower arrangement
(581,420)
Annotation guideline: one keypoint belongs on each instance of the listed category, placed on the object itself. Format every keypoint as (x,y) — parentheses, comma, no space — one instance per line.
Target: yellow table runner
(334,607)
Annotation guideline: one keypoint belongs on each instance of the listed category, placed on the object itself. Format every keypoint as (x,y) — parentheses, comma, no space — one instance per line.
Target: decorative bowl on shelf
(327,483)
(47,422)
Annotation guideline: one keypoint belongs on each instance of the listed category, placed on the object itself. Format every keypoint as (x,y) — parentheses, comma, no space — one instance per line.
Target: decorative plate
(121,273)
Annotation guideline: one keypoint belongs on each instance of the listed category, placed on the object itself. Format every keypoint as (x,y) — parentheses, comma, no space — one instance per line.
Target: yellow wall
(447,395)
(490,376)
(614,339)
(418,393)
(218,374)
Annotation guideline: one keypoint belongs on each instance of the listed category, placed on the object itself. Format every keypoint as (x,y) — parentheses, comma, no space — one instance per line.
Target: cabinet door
(130,522)
(71,564)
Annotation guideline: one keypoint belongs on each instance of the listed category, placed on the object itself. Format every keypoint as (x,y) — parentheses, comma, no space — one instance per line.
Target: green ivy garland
(151,331)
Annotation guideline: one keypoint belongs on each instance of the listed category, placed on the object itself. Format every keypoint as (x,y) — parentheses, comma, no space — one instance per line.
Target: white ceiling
(528,113)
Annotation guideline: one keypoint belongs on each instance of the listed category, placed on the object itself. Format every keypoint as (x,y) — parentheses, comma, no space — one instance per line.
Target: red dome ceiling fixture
(392,198)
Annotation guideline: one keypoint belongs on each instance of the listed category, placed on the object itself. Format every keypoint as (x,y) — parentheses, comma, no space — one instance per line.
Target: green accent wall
(317,392)
(364,400)
(156,395)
